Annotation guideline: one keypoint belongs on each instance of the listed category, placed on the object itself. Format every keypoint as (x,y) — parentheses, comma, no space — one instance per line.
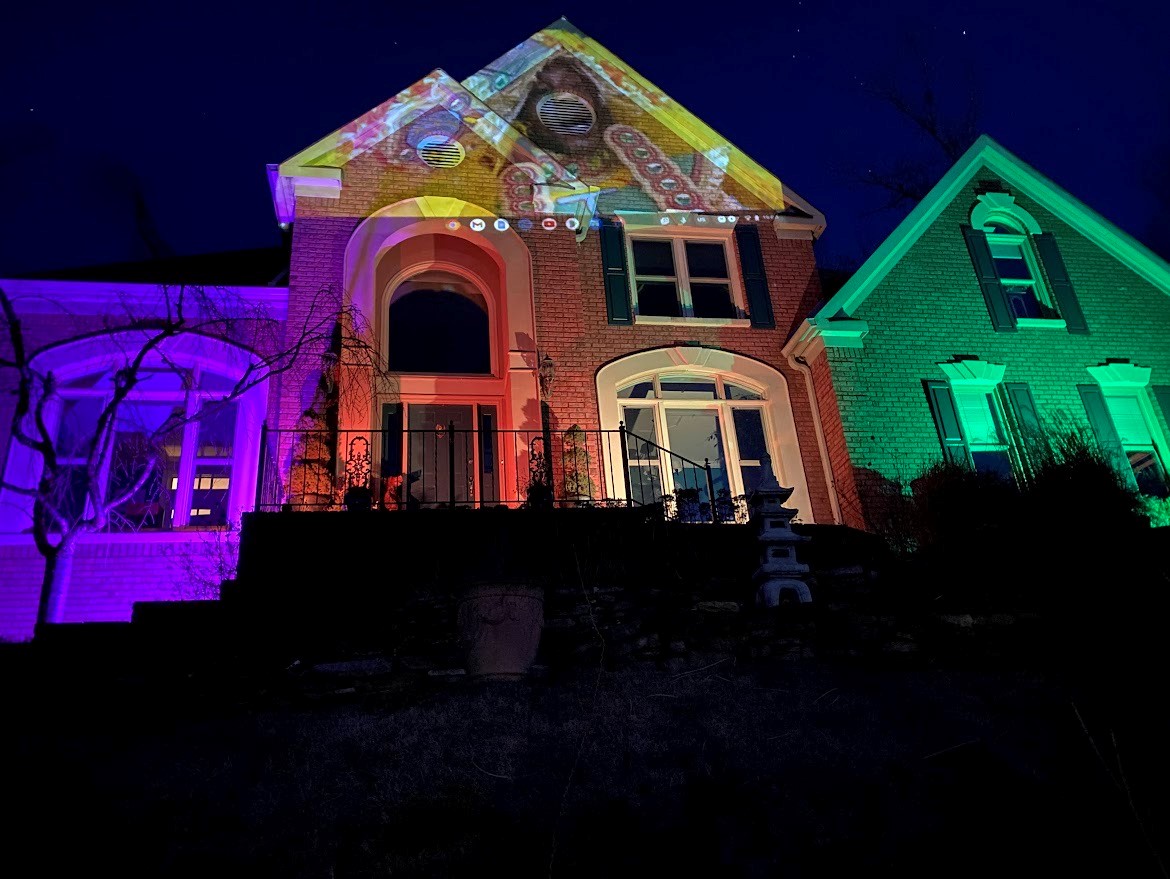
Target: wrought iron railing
(452,467)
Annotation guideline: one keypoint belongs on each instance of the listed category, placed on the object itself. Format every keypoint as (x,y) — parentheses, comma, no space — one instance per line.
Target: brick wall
(111,572)
(572,328)
(929,309)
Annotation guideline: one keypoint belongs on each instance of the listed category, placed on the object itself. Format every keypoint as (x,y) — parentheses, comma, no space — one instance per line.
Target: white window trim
(73,360)
(779,424)
(678,235)
(995,207)
(720,405)
(978,377)
(1131,380)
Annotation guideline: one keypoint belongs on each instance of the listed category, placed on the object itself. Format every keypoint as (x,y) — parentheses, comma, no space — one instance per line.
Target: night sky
(159,116)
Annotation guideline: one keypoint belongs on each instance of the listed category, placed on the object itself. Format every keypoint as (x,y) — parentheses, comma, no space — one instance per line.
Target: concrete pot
(499,627)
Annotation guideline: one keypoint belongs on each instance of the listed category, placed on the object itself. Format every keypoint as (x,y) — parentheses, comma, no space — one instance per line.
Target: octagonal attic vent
(565,113)
(440,151)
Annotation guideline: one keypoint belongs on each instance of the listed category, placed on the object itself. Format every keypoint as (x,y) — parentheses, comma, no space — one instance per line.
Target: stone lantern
(779,571)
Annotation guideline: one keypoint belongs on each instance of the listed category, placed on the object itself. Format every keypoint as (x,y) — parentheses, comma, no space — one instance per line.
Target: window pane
(1004,249)
(698,436)
(1012,267)
(210,381)
(488,491)
(78,423)
(1147,470)
(645,482)
(979,422)
(706,260)
(439,330)
(640,422)
(993,463)
(685,387)
(154,380)
(749,434)
(217,431)
(209,495)
(653,258)
(1024,302)
(712,300)
(643,390)
(147,437)
(736,392)
(1126,412)
(658,298)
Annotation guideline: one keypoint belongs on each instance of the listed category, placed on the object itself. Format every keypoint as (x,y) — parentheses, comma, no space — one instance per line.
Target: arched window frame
(472,280)
(1010,230)
(191,354)
(778,422)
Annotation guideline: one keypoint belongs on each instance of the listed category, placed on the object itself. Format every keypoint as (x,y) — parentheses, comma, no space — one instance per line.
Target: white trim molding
(973,374)
(1121,375)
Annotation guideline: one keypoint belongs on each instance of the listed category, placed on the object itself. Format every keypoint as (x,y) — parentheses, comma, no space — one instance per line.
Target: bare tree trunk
(55,584)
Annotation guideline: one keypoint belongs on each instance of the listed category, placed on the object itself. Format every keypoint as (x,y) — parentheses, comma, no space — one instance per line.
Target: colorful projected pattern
(557,125)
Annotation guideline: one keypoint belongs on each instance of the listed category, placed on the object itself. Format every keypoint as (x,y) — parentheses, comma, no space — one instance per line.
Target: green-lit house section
(1000,304)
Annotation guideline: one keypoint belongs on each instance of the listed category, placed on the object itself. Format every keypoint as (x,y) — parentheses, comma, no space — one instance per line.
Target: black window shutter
(1026,434)
(1024,407)
(946,419)
(1103,429)
(1062,289)
(1002,316)
(1162,395)
(755,282)
(617,284)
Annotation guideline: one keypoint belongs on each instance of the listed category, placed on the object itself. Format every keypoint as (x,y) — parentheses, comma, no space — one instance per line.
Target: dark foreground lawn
(778,768)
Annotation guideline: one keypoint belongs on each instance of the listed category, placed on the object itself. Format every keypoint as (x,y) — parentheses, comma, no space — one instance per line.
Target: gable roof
(316,170)
(986,153)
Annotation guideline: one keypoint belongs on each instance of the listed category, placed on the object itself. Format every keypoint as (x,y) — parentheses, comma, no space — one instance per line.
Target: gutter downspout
(801,365)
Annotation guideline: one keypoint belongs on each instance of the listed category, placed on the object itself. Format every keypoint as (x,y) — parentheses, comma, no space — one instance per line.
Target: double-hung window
(1137,443)
(983,422)
(1018,271)
(1124,420)
(679,277)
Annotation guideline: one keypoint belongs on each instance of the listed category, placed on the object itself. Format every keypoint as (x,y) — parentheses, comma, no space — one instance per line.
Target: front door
(441,453)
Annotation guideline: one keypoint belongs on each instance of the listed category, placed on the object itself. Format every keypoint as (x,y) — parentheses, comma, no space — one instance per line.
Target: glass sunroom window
(173,448)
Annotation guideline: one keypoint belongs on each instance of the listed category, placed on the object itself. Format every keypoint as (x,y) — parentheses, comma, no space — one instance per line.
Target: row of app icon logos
(525,224)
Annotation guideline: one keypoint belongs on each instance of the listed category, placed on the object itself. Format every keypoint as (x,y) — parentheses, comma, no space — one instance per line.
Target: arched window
(182,438)
(1008,248)
(699,418)
(438,323)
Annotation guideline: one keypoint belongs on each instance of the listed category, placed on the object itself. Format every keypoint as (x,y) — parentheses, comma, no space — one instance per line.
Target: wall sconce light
(545,374)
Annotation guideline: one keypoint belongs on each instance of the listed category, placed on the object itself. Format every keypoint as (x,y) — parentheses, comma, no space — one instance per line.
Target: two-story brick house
(555,244)
(1001,306)
(554,213)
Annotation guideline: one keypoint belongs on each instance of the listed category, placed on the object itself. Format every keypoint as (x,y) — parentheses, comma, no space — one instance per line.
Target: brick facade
(929,309)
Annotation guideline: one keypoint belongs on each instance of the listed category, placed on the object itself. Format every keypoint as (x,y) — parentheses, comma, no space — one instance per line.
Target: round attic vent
(439,151)
(565,113)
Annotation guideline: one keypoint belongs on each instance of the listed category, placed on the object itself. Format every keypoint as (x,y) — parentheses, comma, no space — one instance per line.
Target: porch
(465,462)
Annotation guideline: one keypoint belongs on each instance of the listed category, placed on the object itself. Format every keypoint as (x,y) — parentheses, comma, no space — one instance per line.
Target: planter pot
(499,627)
